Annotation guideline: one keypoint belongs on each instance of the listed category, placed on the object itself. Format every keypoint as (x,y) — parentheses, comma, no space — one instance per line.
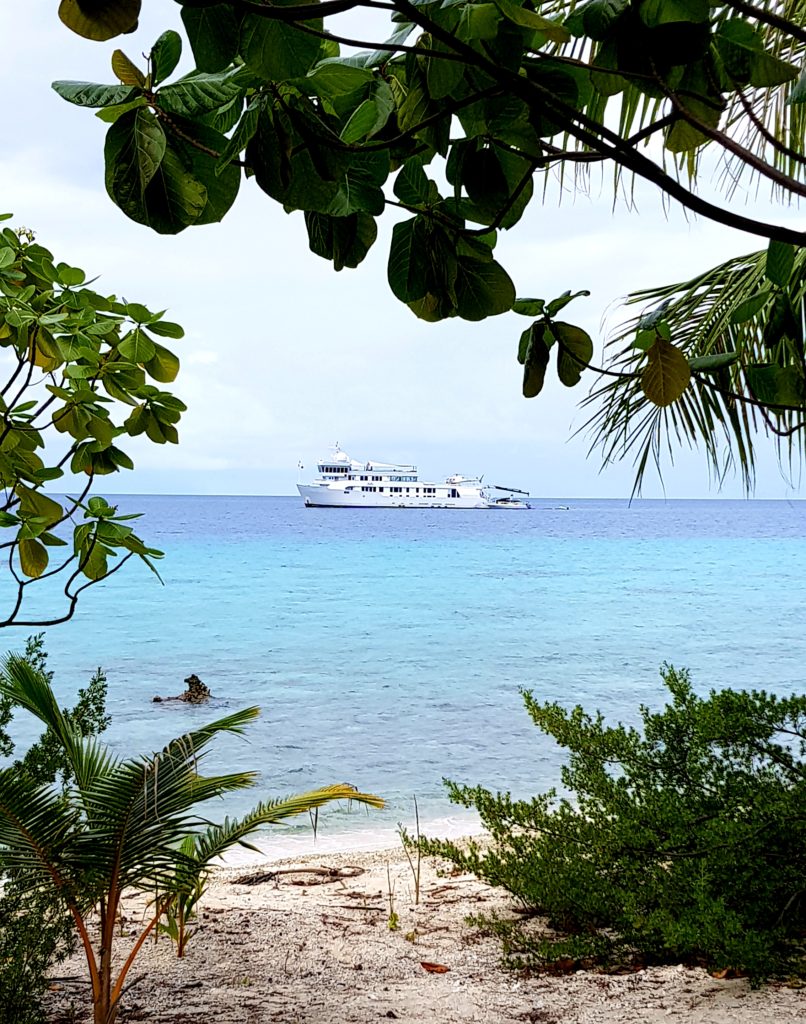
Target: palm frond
(217,839)
(708,316)
(36,825)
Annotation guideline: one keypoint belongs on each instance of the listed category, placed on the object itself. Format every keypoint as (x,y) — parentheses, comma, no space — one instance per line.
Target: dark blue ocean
(388,648)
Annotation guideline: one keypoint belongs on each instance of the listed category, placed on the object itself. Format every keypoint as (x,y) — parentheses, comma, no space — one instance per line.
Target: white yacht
(345,483)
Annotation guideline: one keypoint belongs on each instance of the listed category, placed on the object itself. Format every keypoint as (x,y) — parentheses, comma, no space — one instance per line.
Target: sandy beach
(308,941)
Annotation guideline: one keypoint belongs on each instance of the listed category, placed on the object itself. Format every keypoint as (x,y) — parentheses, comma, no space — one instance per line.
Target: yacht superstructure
(345,483)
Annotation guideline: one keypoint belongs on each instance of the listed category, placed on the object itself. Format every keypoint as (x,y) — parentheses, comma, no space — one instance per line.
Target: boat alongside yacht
(345,483)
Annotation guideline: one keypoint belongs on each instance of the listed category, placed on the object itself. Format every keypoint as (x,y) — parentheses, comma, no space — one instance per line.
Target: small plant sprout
(394,920)
(415,863)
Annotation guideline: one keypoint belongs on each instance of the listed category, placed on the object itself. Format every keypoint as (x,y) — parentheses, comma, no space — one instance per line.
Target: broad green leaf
(128,73)
(138,312)
(536,359)
(286,172)
(34,502)
(741,47)
(776,385)
(221,182)
(277,51)
(69,276)
(667,12)
(344,240)
(703,103)
(110,114)
(783,323)
(199,94)
(100,19)
(174,198)
(599,15)
(767,71)
(478,21)
(166,329)
(406,268)
(34,558)
(137,347)
(666,375)
(164,57)
(240,138)
(483,288)
(710,364)
(575,352)
(163,365)
(412,185)
(213,33)
(361,123)
(7,256)
(89,94)
(644,340)
(333,78)
(442,76)
(747,310)
(554,31)
(93,561)
(528,307)
(779,263)
(606,82)
(135,146)
(562,301)
(737,42)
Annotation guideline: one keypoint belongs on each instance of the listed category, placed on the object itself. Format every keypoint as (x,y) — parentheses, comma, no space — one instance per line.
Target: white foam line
(284,846)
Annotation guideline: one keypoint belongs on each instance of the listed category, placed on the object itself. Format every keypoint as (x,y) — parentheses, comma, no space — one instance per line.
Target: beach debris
(196,692)
(324,874)
(434,968)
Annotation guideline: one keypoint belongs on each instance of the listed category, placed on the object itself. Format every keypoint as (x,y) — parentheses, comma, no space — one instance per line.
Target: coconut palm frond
(137,813)
(217,839)
(783,121)
(724,317)
(35,827)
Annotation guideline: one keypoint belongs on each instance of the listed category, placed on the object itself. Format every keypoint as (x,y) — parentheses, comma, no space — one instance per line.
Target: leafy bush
(36,931)
(682,841)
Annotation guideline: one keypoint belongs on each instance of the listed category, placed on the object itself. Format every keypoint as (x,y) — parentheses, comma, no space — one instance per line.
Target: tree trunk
(103,1013)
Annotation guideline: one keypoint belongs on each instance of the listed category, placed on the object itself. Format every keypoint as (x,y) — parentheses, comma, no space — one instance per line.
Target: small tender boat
(509,500)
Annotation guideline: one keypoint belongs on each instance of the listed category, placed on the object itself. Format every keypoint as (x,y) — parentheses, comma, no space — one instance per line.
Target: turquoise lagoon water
(388,648)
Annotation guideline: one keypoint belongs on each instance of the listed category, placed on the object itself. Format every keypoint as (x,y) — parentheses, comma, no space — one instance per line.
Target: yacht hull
(322,496)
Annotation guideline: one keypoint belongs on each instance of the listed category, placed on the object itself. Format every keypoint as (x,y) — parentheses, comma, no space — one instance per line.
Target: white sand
(292,951)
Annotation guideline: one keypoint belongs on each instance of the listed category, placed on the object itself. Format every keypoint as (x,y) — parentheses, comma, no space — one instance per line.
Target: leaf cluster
(683,840)
(85,370)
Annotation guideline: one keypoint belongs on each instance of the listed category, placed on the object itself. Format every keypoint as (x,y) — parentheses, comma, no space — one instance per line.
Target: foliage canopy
(80,371)
(685,840)
(454,118)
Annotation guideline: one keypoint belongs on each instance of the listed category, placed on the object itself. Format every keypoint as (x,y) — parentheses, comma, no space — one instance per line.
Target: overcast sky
(282,356)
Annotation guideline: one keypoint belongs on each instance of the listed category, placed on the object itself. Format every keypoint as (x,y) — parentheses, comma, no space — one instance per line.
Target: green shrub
(35,931)
(682,841)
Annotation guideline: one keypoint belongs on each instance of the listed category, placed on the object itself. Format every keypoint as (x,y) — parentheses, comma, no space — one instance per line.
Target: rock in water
(196,692)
